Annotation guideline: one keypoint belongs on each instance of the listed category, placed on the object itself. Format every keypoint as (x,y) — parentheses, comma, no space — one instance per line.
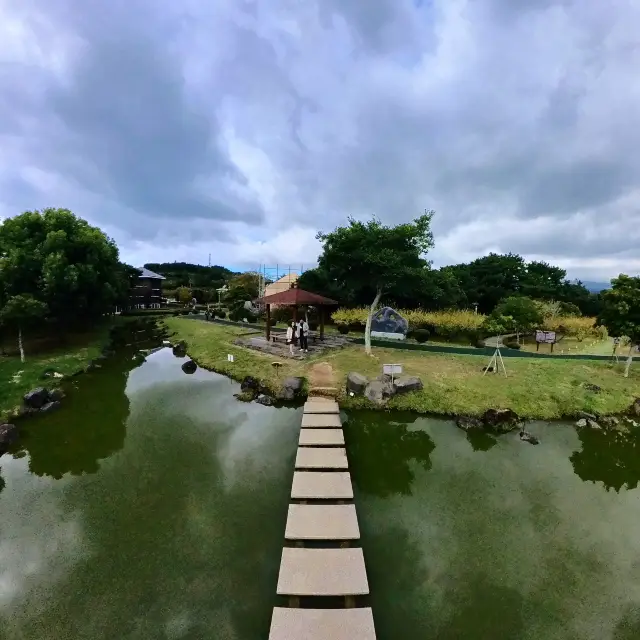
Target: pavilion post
(321,309)
(268,322)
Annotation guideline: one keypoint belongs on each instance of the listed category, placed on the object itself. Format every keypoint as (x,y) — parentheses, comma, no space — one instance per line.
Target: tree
(20,312)
(183,295)
(621,312)
(249,281)
(542,281)
(516,313)
(61,261)
(374,258)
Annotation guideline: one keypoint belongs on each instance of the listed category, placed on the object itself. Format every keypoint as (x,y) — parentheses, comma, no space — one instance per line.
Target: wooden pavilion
(295,297)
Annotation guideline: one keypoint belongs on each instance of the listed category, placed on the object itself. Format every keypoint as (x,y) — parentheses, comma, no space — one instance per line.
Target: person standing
(291,336)
(303,334)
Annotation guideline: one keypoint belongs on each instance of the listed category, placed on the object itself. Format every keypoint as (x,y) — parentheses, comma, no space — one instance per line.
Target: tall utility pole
(209,260)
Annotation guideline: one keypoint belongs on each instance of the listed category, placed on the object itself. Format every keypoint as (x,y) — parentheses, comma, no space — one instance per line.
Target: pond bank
(535,389)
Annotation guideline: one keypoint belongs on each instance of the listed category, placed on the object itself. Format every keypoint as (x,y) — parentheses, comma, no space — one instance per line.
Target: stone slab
(321,458)
(318,404)
(322,522)
(322,624)
(386,335)
(322,572)
(321,485)
(321,421)
(321,438)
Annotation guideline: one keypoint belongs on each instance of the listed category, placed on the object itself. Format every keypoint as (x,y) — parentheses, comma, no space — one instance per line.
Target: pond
(150,506)
(484,538)
(153,505)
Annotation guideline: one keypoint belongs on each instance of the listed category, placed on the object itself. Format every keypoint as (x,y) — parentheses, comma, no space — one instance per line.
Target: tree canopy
(61,262)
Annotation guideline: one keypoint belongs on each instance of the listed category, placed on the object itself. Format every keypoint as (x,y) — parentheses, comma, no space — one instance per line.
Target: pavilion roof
(295,296)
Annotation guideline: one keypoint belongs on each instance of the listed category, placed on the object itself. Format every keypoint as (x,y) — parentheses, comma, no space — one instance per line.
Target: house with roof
(280,285)
(147,294)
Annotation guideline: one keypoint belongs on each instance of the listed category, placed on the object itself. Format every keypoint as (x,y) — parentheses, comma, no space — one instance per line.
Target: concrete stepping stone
(321,438)
(322,522)
(321,421)
(321,485)
(322,624)
(321,405)
(322,572)
(321,458)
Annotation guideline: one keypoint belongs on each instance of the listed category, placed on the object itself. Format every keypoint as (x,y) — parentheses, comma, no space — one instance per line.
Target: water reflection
(89,427)
(481,440)
(177,536)
(610,457)
(382,451)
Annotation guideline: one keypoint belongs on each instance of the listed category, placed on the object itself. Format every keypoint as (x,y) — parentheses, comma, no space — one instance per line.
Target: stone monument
(388,323)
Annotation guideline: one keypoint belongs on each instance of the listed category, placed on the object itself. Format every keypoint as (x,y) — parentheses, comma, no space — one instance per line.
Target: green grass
(20,377)
(571,346)
(535,389)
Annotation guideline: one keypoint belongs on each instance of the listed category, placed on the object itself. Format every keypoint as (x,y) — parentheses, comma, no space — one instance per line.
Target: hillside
(185,274)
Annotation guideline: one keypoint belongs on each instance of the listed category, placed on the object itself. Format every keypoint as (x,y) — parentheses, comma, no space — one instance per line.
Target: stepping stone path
(334,566)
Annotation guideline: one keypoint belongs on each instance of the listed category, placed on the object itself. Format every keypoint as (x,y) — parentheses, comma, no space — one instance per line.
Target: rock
(166,343)
(586,416)
(388,320)
(295,384)
(27,411)
(50,406)
(525,436)
(180,349)
(92,366)
(634,410)
(468,423)
(250,384)
(244,396)
(36,398)
(592,424)
(488,369)
(264,400)
(378,392)
(501,420)
(609,421)
(592,387)
(55,395)
(189,366)
(8,435)
(582,423)
(49,373)
(404,384)
(356,382)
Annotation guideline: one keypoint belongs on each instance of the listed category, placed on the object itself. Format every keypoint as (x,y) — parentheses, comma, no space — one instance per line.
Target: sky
(239,128)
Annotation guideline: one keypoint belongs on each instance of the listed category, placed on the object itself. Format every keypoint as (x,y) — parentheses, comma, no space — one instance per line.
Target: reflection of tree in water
(177,549)
(89,427)
(381,452)
(611,457)
(481,440)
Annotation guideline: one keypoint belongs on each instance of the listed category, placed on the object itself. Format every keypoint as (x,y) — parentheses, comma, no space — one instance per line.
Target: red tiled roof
(295,296)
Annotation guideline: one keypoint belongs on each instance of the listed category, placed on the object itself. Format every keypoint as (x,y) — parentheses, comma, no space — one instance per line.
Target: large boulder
(291,388)
(388,320)
(36,398)
(378,391)
(469,423)
(250,384)
(356,382)
(501,420)
(180,349)
(189,366)
(8,435)
(404,384)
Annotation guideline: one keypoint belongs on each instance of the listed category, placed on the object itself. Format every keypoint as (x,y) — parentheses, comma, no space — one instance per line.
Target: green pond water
(153,506)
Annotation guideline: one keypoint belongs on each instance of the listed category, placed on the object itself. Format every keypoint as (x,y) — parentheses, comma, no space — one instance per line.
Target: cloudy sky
(241,127)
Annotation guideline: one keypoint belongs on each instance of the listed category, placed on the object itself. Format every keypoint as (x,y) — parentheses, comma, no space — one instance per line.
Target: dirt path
(321,376)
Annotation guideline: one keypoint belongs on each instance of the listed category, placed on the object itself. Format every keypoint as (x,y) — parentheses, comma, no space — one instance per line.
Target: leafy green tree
(21,312)
(249,281)
(621,312)
(518,314)
(378,259)
(61,261)
(183,295)
(542,281)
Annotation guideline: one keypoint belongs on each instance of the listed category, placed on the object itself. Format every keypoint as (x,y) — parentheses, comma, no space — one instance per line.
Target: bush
(512,344)
(480,344)
(185,312)
(221,314)
(420,335)
(343,329)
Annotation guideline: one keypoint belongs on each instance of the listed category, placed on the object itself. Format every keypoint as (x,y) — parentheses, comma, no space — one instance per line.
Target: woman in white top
(291,335)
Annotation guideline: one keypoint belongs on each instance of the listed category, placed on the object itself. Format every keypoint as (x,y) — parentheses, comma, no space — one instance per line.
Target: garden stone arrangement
(381,389)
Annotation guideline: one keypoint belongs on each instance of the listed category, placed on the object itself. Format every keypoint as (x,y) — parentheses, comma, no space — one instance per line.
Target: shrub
(185,312)
(221,314)
(512,344)
(343,329)
(420,335)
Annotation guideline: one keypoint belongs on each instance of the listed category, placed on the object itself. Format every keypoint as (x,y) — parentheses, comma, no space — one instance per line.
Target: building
(284,283)
(147,294)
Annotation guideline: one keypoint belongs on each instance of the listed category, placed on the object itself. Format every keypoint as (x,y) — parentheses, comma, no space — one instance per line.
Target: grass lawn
(454,384)
(573,346)
(18,377)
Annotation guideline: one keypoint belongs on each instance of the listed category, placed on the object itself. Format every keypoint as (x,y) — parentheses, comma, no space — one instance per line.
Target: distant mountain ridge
(596,287)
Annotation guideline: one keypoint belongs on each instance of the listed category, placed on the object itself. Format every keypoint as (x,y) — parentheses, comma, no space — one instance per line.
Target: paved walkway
(322,561)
